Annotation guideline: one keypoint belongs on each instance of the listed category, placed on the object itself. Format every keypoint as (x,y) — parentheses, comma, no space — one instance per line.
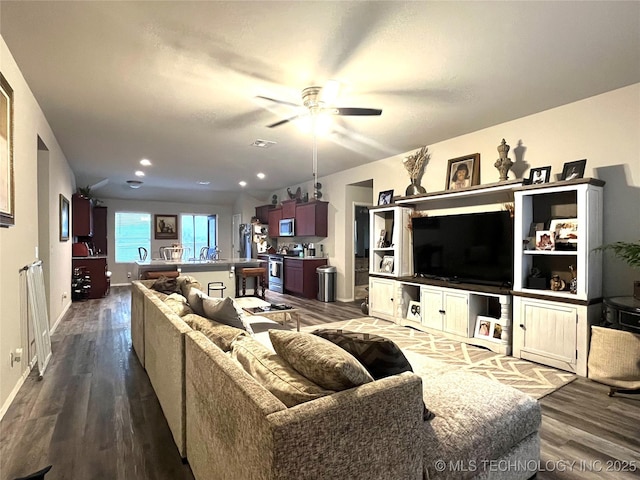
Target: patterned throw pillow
(274,374)
(224,311)
(166,285)
(221,335)
(185,282)
(178,304)
(319,360)
(380,356)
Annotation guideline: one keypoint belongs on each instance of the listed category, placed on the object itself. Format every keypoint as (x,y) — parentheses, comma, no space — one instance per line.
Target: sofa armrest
(137,319)
(368,432)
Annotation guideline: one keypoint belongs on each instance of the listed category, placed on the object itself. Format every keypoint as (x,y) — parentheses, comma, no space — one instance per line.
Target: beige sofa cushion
(319,360)
(194,298)
(178,304)
(274,374)
(221,335)
(224,311)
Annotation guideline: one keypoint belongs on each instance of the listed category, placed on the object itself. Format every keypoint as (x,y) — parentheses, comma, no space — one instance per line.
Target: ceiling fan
(319,100)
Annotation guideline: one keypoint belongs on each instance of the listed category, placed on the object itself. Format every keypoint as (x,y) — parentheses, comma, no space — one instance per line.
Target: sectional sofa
(229,423)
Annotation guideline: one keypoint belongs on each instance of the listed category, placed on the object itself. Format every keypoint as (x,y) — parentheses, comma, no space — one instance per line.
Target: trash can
(326,283)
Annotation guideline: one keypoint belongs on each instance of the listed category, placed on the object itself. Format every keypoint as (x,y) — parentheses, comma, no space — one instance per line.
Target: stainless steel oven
(276,273)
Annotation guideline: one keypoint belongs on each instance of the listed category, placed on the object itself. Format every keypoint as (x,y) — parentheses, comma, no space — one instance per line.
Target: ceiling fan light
(134,183)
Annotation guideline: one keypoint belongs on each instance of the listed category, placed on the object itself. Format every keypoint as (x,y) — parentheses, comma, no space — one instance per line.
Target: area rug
(428,352)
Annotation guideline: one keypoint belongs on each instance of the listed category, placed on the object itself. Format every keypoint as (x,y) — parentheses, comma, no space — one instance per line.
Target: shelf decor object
(415,166)
(463,172)
(504,163)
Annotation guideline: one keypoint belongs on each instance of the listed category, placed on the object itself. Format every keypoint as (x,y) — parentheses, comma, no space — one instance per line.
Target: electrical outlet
(64,295)
(128,274)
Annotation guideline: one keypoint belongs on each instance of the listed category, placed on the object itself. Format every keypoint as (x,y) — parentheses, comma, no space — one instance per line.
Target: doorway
(361,251)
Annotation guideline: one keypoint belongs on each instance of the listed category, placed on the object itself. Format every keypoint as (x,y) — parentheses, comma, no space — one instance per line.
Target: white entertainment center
(527,319)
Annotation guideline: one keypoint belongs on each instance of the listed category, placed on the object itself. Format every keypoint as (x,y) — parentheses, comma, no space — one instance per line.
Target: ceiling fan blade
(283,102)
(282,122)
(345,111)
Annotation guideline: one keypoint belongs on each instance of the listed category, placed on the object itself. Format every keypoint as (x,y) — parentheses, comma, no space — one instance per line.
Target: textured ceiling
(176,82)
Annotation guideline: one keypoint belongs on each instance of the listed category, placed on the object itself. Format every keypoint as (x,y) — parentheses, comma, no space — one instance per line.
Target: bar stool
(259,273)
(216,287)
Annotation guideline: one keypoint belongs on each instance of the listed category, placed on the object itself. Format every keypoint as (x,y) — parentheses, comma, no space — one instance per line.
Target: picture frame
(64,218)
(386,266)
(166,227)
(470,165)
(539,175)
(385,197)
(413,311)
(7,185)
(382,239)
(565,231)
(545,240)
(489,328)
(572,170)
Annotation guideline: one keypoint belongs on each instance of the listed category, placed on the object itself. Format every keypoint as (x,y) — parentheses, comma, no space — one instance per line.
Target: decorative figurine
(415,166)
(557,283)
(573,284)
(504,163)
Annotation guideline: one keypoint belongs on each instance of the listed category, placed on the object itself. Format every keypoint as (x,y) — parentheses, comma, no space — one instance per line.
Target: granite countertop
(89,257)
(201,263)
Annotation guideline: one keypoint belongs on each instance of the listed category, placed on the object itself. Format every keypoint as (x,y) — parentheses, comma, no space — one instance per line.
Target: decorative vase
(414,189)
(573,284)
(503,164)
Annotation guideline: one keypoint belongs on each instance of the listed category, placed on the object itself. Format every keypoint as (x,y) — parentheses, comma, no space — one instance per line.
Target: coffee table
(257,306)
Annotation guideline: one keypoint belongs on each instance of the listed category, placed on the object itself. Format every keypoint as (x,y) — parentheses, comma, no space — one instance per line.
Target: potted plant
(630,253)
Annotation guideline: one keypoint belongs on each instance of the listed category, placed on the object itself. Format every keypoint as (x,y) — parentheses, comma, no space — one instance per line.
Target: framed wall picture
(463,172)
(413,311)
(573,170)
(386,266)
(539,175)
(7,193)
(64,218)
(385,198)
(166,227)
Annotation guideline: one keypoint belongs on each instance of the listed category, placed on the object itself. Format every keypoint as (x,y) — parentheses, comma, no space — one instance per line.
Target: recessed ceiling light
(242,183)
(145,162)
(204,183)
(263,143)
(134,183)
(139,173)
(261,175)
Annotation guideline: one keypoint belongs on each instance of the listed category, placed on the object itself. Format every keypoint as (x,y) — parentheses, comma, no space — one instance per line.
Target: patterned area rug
(428,352)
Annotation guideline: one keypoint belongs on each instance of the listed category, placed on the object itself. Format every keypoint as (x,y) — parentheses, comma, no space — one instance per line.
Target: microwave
(287,227)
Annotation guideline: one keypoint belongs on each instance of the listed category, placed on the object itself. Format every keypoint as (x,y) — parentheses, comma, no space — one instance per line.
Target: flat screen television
(468,248)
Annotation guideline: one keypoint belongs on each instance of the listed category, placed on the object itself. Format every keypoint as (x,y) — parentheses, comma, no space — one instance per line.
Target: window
(198,231)
(132,231)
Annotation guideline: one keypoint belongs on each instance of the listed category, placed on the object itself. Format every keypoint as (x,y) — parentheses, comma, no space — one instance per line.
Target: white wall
(18,243)
(603,129)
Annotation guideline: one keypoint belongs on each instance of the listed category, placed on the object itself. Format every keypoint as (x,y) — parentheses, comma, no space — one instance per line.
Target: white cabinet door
(431,307)
(381,293)
(546,332)
(456,316)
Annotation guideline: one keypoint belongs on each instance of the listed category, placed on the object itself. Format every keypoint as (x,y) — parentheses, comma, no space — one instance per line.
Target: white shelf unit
(394,221)
(554,327)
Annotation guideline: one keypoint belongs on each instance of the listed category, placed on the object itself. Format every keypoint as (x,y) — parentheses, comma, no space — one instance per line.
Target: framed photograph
(64,219)
(385,198)
(7,194)
(166,227)
(573,170)
(489,328)
(463,172)
(539,175)
(387,264)
(565,232)
(382,240)
(544,240)
(413,311)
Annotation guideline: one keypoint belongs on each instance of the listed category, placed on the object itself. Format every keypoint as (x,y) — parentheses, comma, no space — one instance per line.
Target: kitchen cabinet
(289,208)
(274,217)
(262,213)
(100,230)
(300,276)
(96,268)
(82,214)
(311,219)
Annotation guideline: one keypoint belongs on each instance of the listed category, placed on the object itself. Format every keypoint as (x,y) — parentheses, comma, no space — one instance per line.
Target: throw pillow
(274,374)
(221,335)
(194,298)
(185,282)
(319,360)
(380,356)
(166,285)
(224,311)
(178,304)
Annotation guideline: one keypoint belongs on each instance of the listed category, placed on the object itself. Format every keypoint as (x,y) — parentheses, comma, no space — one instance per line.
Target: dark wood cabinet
(262,213)
(289,208)
(300,277)
(96,267)
(274,217)
(311,219)
(82,214)
(100,230)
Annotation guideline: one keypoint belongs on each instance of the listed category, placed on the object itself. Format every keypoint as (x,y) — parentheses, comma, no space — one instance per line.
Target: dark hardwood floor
(95,415)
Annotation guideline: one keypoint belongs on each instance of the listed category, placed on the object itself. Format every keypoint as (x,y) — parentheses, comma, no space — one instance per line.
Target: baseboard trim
(121,284)
(14,392)
(59,319)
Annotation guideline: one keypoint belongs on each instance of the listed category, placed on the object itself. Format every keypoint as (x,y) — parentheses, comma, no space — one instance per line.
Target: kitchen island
(205,271)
